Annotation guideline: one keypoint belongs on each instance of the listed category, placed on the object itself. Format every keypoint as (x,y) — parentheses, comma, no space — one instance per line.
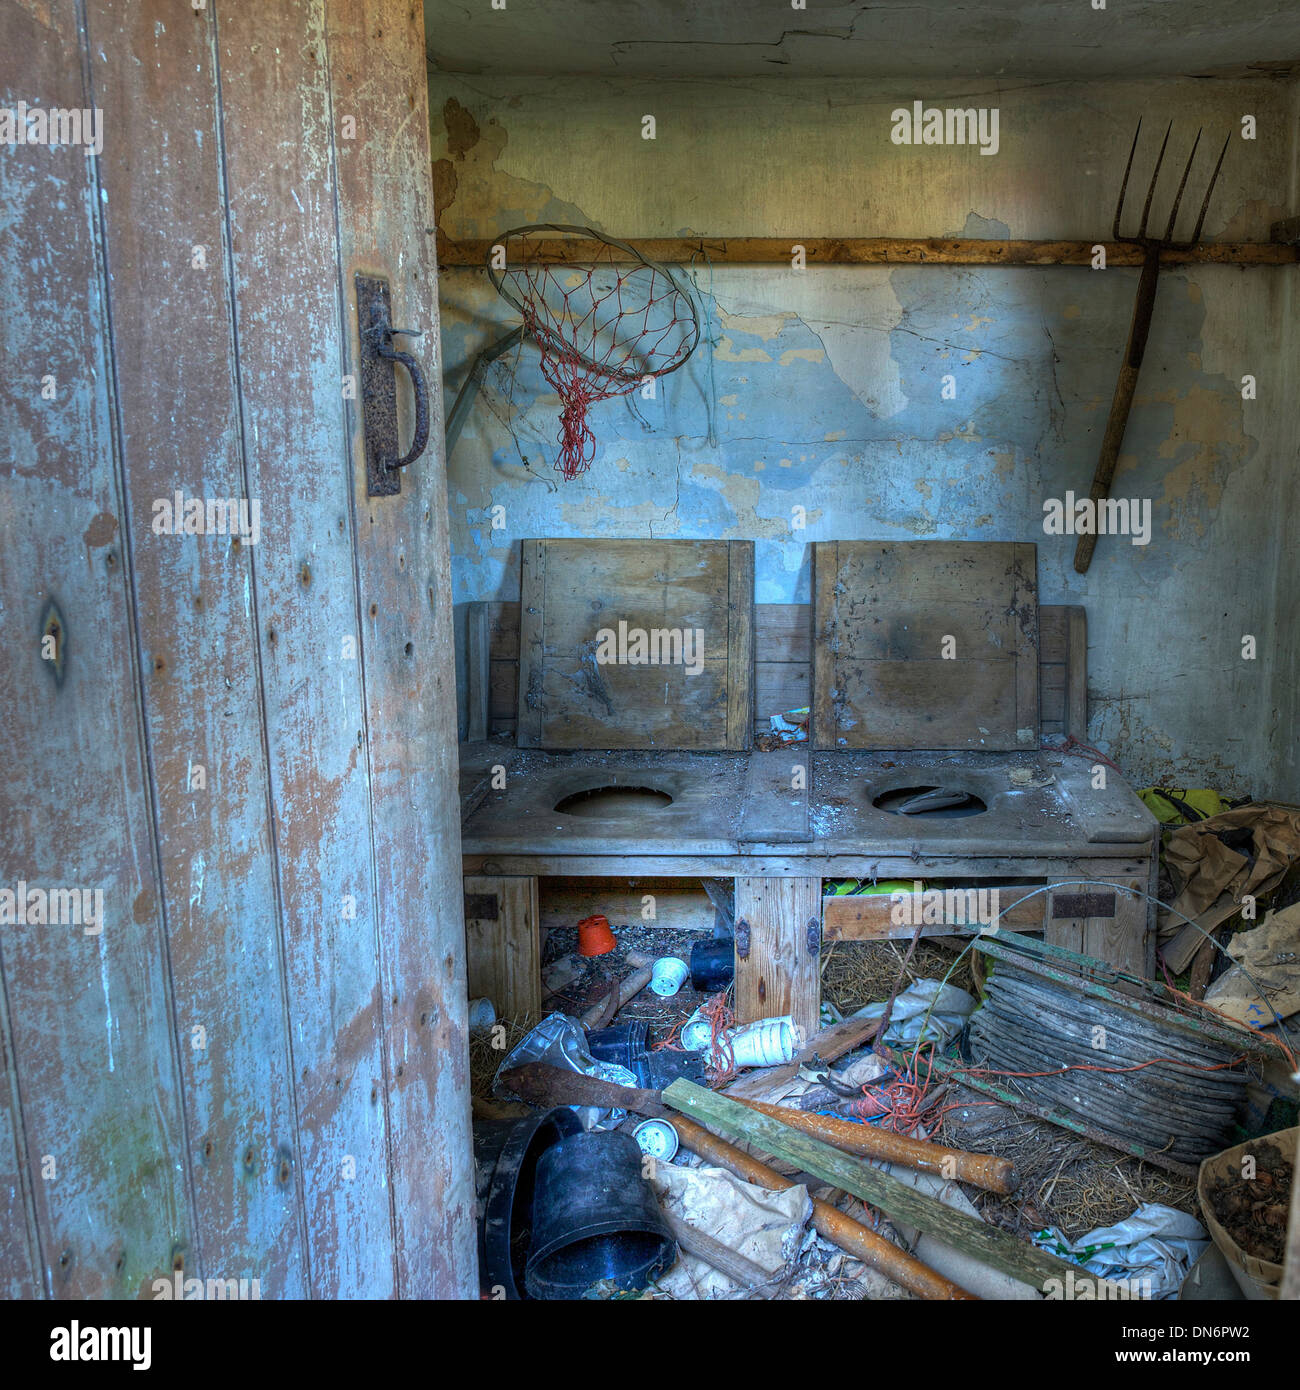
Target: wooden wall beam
(753,250)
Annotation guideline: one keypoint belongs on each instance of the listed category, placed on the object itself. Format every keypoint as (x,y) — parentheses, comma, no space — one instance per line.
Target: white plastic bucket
(669,975)
(697,1033)
(767,1043)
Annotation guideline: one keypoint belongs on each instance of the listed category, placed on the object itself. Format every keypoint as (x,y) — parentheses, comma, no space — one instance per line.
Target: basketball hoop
(603,328)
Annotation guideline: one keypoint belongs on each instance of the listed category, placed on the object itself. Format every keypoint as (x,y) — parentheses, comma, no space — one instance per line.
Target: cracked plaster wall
(822,389)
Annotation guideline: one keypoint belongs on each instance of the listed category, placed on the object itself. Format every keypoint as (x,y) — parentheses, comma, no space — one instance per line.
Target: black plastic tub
(713,964)
(505,1163)
(627,1045)
(595,1219)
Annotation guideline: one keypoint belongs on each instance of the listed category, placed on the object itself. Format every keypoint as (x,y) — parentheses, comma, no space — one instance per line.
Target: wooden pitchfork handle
(1117,421)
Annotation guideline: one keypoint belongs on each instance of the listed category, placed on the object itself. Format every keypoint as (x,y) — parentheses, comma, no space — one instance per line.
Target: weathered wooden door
(233,999)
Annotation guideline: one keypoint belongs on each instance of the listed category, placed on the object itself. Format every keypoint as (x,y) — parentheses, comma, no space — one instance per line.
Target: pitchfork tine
(1213,180)
(1128,169)
(1178,197)
(1155,174)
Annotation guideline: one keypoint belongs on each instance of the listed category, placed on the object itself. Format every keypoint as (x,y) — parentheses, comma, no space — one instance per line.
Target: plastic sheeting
(561,1042)
(1151,1251)
(938,1010)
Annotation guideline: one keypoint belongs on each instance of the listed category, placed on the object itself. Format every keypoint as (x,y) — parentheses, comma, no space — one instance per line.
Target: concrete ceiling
(900,38)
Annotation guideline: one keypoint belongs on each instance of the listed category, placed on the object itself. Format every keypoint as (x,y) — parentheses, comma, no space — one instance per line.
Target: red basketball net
(602,331)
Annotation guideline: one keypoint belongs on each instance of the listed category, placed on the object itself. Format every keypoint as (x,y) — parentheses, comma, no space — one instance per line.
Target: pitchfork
(1120,406)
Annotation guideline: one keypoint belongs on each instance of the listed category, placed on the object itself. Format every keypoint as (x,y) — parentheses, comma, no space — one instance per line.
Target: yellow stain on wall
(764,326)
(725,352)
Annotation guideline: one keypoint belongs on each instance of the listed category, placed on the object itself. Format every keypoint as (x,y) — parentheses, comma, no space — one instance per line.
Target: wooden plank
(1052,635)
(871,917)
(278,150)
(164,195)
(574,694)
(1076,696)
(1062,669)
(96,1197)
(740,644)
(1121,940)
(478,672)
(502,943)
(503,630)
(825,566)
(989,1244)
(783,632)
(925,644)
(20,1261)
(796,862)
(377,66)
(503,692)
(780,975)
(530,713)
(875,251)
(776,797)
(780,686)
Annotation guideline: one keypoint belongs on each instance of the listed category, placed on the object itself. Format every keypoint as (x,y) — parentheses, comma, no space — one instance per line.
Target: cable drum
(1174,1104)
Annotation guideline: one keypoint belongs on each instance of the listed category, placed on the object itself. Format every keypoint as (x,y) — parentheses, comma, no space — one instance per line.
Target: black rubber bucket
(595,1218)
(713,964)
(621,1045)
(627,1045)
(505,1164)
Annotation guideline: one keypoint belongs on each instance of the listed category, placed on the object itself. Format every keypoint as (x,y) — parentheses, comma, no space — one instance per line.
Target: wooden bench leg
(502,947)
(780,972)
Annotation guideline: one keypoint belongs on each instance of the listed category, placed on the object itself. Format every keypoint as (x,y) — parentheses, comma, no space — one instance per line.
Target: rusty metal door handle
(379,358)
(384,347)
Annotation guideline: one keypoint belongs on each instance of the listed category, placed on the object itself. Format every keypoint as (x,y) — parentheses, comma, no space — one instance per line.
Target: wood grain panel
(503,946)
(884,672)
(783,670)
(282,233)
(572,591)
(780,975)
(179,411)
(377,76)
(94,1202)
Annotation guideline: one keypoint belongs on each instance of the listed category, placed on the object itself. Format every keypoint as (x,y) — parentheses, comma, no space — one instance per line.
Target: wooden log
(751,250)
(629,988)
(983,1170)
(989,1244)
(744,1272)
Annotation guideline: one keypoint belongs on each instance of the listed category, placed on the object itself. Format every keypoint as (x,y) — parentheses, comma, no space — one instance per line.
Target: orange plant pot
(595,938)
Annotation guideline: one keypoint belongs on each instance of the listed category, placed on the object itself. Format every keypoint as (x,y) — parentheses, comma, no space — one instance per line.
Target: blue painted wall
(823,389)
